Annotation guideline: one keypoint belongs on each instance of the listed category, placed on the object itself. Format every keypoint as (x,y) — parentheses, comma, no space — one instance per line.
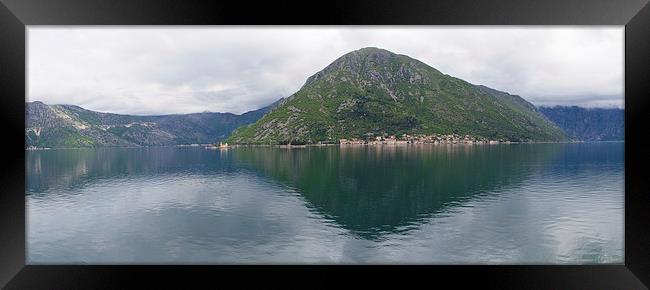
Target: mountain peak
(370,51)
(364,56)
(36,103)
(364,60)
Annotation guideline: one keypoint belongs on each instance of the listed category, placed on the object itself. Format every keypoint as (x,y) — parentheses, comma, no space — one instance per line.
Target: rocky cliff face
(375,91)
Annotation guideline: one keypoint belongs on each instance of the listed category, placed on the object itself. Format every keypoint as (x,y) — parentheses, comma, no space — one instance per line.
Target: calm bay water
(444,204)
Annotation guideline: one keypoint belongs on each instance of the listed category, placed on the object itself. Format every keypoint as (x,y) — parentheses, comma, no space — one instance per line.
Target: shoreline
(202,146)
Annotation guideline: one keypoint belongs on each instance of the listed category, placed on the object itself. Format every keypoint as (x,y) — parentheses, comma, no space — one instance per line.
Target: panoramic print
(325,145)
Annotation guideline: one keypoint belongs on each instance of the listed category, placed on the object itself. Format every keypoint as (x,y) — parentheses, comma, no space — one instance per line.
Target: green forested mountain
(372,90)
(66,126)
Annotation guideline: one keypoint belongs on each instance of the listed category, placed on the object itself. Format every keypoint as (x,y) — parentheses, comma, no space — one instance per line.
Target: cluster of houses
(419,139)
(220,146)
(36,148)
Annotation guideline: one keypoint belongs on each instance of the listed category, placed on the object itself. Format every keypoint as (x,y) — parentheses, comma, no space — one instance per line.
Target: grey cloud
(589,101)
(157,70)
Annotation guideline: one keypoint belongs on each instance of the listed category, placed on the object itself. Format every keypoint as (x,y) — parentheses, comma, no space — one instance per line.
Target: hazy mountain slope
(56,126)
(59,126)
(373,90)
(595,124)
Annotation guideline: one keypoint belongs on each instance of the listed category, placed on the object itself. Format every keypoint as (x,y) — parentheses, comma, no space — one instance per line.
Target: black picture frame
(15,15)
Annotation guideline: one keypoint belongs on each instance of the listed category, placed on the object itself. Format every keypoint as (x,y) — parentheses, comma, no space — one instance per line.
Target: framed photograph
(169,141)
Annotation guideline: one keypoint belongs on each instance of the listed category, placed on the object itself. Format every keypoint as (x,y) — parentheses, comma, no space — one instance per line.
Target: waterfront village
(383,140)
(419,139)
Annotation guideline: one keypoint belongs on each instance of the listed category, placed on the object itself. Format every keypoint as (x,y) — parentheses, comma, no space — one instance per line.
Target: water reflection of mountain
(375,190)
(540,203)
(368,190)
(76,167)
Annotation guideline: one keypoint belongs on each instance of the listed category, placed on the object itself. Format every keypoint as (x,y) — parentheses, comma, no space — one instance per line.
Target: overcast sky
(161,70)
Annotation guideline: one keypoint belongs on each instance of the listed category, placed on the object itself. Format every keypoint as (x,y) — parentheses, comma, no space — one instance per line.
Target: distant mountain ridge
(72,126)
(373,91)
(588,124)
(69,126)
